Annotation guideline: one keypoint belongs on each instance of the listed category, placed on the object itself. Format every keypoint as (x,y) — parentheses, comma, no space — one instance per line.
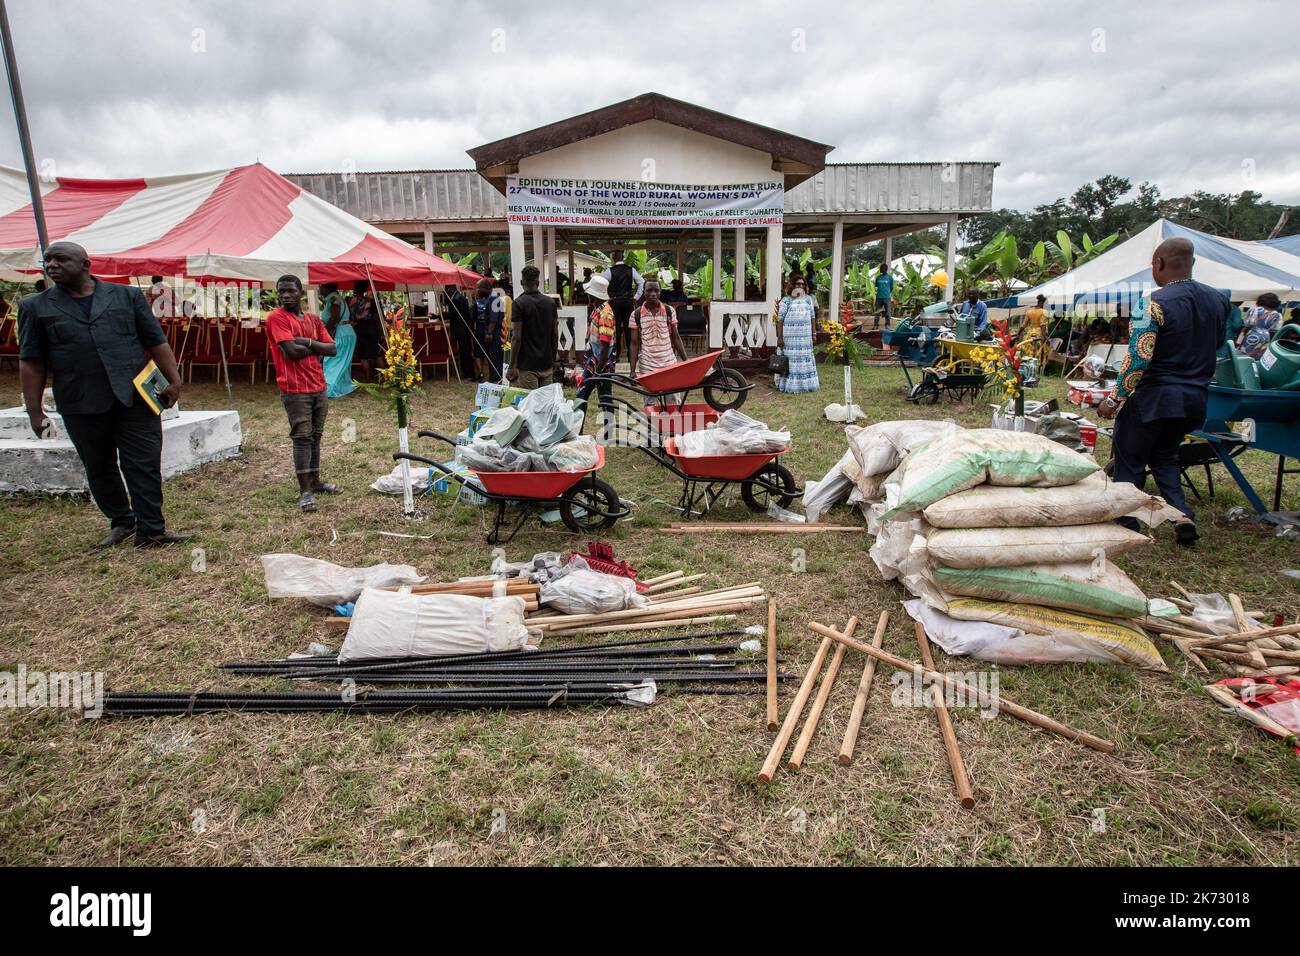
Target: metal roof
(841,189)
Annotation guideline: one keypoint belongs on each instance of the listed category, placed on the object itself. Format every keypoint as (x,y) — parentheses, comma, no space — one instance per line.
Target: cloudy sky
(1197,94)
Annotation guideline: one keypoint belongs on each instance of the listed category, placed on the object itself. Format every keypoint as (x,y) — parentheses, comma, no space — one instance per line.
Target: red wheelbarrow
(585,503)
(723,388)
(762,478)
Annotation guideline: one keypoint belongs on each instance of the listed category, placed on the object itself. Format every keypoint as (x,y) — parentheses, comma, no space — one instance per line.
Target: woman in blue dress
(338,367)
(796,325)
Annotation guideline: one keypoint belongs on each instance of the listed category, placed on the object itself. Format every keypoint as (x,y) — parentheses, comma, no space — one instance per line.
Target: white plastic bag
(734,433)
(820,496)
(489,456)
(393,624)
(293,576)
(576,454)
(502,427)
(391,483)
(837,412)
(549,418)
(591,592)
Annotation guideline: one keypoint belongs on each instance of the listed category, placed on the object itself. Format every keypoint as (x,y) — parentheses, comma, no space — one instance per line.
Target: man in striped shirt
(298,341)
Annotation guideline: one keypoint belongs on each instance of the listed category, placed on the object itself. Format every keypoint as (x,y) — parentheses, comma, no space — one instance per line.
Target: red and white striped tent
(243,224)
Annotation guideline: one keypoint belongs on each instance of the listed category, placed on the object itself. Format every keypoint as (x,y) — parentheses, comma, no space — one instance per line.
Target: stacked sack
(874,451)
(1015,530)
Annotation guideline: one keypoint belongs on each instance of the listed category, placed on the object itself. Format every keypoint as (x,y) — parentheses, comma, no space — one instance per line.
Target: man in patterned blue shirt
(1163,382)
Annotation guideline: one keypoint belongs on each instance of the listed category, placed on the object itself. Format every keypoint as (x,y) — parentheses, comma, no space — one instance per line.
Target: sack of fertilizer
(397,624)
(1094,499)
(1090,587)
(972,457)
(1108,640)
(878,448)
(1007,643)
(866,487)
(1008,547)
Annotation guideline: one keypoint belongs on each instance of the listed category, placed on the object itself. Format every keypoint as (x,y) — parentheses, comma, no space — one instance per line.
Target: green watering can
(1235,370)
(1279,366)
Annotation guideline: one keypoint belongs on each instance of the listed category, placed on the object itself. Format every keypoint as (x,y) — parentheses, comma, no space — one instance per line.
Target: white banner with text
(532,201)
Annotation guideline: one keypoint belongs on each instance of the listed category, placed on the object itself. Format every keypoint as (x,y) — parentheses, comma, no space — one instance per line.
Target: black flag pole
(24,134)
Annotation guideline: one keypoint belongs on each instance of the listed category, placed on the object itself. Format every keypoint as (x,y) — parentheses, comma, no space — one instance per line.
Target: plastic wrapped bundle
(548,417)
(591,592)
(293,576)
(734,433)
(489,456)
(393,624)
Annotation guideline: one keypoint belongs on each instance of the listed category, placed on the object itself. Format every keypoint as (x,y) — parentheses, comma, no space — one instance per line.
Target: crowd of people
(1169,360)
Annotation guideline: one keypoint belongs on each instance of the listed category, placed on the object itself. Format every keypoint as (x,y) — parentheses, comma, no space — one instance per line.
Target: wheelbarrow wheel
(925,393)
(577,504)
(757,498)
(725,390)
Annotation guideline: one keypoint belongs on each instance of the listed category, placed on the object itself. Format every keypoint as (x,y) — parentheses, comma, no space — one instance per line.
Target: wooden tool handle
(850,741)
(772,721)
(1004,705)
(819,703)
(959,778)
(792,715)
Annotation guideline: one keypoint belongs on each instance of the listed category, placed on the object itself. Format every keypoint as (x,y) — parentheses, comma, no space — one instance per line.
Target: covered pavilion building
(787,196)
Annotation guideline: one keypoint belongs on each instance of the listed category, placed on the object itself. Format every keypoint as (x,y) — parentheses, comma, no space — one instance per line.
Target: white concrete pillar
(772,280)
(739,282)
(553,264)
(717,264)
(538,251)
(428,241)
(837,271)
(950,258)
(517,256)
(889,252)
(573,278)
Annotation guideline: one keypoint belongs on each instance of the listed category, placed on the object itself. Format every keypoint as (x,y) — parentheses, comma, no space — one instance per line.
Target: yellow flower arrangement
(401,374)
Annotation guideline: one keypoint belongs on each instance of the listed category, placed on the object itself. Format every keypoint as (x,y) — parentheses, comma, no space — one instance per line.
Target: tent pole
(24,134)
(383,327)
(221,344)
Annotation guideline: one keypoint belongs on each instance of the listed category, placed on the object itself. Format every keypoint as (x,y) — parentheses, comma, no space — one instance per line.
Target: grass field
(668,785)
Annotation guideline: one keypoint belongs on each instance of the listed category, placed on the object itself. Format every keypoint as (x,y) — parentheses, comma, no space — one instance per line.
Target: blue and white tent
(1119,276)
(1289,244)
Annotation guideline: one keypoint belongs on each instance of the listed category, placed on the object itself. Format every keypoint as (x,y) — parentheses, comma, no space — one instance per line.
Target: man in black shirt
(461,323)
(625,287)
(534,334)
(94,337)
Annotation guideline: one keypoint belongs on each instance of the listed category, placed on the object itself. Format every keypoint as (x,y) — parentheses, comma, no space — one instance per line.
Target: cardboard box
(478,418)
(440,484)
(493,395)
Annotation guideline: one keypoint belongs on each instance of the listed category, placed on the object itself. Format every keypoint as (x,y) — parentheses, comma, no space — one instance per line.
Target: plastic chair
(9,339)
(431,347)
(212,336)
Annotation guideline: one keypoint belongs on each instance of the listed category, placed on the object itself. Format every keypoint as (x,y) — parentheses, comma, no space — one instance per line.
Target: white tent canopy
(1244,270)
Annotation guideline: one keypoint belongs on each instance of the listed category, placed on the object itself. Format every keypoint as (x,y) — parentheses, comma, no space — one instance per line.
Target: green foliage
(1100,208)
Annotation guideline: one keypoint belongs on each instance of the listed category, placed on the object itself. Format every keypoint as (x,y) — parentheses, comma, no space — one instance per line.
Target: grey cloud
(1182,94)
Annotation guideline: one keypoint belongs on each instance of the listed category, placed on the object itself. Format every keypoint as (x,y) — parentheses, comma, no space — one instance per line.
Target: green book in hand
(149,383)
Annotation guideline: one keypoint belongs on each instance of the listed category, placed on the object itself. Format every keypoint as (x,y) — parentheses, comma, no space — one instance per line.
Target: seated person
(676,294)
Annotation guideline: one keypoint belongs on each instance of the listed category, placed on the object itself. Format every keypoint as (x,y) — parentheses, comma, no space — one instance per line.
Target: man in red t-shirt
(298,341)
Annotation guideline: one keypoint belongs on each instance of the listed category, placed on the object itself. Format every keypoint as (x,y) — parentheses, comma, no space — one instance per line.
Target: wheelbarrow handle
(437,435)
(408,456)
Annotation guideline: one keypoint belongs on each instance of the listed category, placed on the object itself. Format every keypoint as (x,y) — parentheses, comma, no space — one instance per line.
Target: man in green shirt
(884,295)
